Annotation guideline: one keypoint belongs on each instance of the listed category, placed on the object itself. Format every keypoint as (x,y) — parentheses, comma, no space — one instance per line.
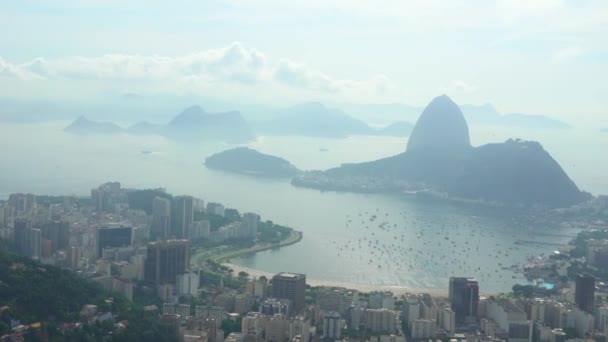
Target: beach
(396,290)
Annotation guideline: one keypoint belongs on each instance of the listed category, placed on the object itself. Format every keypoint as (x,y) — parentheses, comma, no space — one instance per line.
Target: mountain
(439,158)
(194,123)
(247,161)
(396,129)
(440,126)
(488,115)
(313,119)
(83,125)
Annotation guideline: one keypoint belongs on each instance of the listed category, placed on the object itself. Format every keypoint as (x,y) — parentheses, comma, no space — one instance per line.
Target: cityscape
(304,171)
(167,253)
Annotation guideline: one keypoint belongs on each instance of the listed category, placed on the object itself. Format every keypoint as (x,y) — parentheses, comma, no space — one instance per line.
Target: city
(167,253)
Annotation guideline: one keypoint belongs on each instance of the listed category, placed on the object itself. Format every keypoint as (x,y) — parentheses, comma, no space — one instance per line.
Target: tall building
(251,221)
(584,294)
(290,286)
(34,241)
(20,229)
(165,260)
(58,233)
(22,203)
(332,326)
(161,217)
(464,298)
(113,236)
(182,216)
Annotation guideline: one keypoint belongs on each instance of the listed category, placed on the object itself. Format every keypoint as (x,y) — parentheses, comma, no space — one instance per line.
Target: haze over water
(412,249)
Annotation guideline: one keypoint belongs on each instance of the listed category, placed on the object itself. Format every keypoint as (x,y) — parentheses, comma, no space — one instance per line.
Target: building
(464,299)
(58,232)
(447,320)
(332,326)
(250,222)
(20,229)
(510,318)
(214,313)
(411,309)
(23,203)
(166,260)
(381,320)
(215,209)
(182,216)
(187,284)
(290,286)
(34,243)
(423,329)
(161,217)
(113,236)
(584,295)
(274,306)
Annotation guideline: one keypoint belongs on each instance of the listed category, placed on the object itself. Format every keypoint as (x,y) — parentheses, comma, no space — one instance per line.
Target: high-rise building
(20,235)
(584,294)
(34,243)
(161,217)
(113,236)
(332,326)
(251,221)
(464,298)
(182,216)
(290,286)
(58,233)
(22,203)
(165,260)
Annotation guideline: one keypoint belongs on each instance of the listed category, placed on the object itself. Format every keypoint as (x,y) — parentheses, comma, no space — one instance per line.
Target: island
(441,162)
(248,161)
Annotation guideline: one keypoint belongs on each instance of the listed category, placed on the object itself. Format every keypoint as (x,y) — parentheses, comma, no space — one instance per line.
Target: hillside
(34,293)
(82,125)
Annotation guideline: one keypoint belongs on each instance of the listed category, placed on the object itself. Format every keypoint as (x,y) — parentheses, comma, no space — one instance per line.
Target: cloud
(230,66)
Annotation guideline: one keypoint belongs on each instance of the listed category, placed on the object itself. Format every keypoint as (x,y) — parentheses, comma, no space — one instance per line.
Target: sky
(546,57)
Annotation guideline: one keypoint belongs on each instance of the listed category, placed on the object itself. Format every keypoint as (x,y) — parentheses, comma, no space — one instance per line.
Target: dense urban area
(129,264)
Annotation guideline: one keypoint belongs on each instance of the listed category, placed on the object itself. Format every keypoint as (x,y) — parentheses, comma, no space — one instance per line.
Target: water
(412,249)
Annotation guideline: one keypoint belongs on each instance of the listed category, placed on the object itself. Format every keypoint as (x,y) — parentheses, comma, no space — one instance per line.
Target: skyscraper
(58,233)
(464,298)
(182,215)
(584,294)
(161,217)
(113,236)
(20,236)
(290,286)
(165,260)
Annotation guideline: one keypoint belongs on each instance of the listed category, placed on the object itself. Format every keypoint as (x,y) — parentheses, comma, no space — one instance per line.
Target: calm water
(368,239)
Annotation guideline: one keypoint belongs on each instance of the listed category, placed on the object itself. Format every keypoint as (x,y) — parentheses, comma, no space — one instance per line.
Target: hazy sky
(535,56)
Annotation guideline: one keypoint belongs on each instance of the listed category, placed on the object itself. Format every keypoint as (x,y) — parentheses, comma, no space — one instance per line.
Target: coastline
(365,288)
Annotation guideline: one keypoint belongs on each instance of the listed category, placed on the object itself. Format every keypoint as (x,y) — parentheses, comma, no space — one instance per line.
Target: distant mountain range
(315,119)
(487,114)
(247,161)
(440,158)
(192,124)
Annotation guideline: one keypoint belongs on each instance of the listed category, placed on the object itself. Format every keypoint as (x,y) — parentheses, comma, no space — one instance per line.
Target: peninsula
(440,161)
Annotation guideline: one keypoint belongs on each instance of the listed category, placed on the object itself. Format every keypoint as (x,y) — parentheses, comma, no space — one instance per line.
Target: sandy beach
(396,290)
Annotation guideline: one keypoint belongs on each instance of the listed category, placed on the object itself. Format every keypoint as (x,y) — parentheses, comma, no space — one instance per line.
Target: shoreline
(364,288)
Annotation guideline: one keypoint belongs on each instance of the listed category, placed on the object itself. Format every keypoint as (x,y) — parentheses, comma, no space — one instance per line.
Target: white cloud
(232,66)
